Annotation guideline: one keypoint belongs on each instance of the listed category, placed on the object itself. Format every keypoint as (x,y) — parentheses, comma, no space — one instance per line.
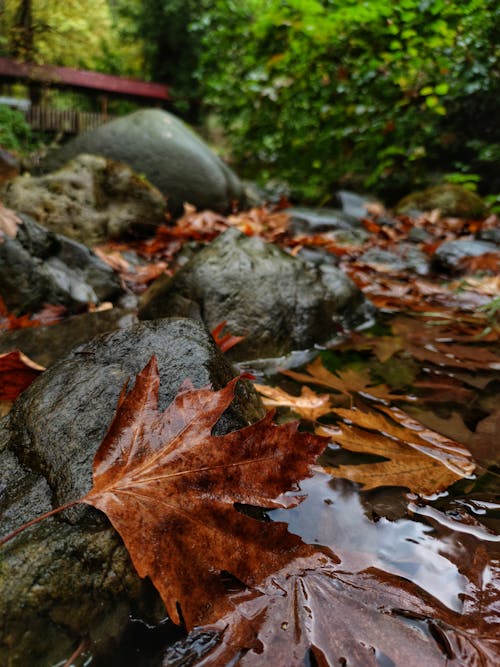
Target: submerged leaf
(422,460)
(308,405)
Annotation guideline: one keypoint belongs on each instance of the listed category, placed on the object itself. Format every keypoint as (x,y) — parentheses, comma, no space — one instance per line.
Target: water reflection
(333,516)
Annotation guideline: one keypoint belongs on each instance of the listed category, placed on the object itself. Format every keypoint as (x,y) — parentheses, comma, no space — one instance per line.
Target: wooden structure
(96,84)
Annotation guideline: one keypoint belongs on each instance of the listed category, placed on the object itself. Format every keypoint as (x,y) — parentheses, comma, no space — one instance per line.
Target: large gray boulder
(39,267)
(70,577)
(90,199)
(166,151)
(278,302)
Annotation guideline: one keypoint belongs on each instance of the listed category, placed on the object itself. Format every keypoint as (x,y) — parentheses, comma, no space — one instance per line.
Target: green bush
(378,95)
(15,133)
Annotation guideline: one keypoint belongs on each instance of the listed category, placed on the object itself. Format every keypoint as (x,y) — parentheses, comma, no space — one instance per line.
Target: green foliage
(368,94)
(15,133)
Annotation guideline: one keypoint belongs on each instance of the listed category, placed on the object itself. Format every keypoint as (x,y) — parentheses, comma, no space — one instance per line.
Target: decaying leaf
(17,372)
(418,458)
(314,613)
(308,405)
(169,488)
(347,382)
(9,223)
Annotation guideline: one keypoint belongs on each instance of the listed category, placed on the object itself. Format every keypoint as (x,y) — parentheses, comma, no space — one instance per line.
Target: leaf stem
(15,532)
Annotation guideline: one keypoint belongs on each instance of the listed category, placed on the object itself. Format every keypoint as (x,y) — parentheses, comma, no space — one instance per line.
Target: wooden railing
(65,121)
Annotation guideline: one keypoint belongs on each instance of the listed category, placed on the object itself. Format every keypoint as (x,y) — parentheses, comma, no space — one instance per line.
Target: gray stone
(405,258)
(448,255)
(90,199)
(451,200)
(69,576)
(354,204)
(166,151)
(278,302)
(337,225)
(39,267)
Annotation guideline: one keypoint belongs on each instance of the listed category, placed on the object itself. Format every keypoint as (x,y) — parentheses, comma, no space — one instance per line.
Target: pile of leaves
(390,552)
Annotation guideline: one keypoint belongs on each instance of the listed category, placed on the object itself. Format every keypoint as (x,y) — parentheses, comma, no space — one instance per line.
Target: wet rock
(166,151)
(90,199)
(48,344)
(405,258)
(451,200)
(491,235)
(39,267)
(70,576)
(318,221)
(354,204)
(278,302)
(448,255)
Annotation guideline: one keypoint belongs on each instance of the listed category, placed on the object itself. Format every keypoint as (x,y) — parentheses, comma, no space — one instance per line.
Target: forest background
(374,95)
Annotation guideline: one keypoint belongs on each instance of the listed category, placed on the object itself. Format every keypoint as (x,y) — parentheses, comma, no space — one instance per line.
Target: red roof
(82,79)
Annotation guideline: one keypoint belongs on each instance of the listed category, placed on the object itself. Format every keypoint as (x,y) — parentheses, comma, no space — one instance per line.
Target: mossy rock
(451,200)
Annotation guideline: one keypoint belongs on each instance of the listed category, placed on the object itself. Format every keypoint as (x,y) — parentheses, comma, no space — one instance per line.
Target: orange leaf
(225,341)
(17,372)
(308,405)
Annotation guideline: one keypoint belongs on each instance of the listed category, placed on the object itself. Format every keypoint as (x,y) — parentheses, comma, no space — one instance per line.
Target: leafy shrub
(374,94)
(15,133)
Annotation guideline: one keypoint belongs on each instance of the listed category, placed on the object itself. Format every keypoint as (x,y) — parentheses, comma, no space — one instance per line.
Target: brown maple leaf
(169,488)
(418,458)
(313,612)
(225,341)
(308,405)
(17,372)
(347,382)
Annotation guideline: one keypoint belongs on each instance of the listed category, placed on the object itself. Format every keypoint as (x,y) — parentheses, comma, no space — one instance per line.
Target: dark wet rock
(166,151)
(70,576)
(278,302)
(48,344)
(451,200)
(419,235)
(10,165)
(318,220)
(491,235)
(90,199)
(354,204)
(405,258)
(39,267)
(317,256)
(450,253)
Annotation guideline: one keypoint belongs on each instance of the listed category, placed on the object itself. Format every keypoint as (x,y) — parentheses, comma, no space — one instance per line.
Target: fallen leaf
(347,382)
(17,372)
(418,458)
(308,405)
(9,222)
(225,341)
(169,488)
(50,314)
(314,613)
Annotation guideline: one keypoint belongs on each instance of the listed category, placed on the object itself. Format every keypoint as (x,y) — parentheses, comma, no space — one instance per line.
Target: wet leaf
(50,314)
(418,458)
(308,405)
(17,372)
(347,382)
(225,341)
(315,613)
(169,488)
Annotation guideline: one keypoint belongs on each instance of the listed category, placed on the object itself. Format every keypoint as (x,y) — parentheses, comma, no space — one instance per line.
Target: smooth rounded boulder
(279,303)
(169,154)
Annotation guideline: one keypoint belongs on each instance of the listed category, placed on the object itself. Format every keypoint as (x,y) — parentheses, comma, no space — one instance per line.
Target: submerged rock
(70,576)
(38,267)
(166,151)
(278,302)
(90,199)
(451,200)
